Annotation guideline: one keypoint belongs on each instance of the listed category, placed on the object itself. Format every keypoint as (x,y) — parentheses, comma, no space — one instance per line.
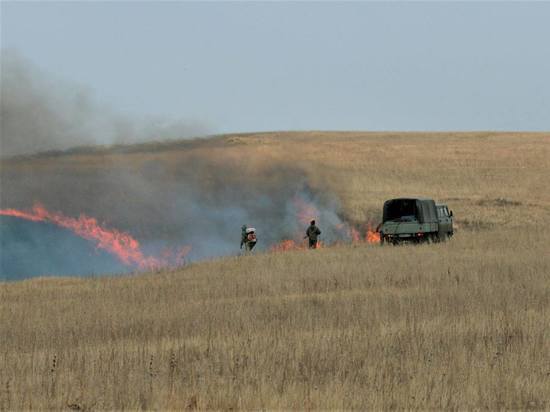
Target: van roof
(409,198)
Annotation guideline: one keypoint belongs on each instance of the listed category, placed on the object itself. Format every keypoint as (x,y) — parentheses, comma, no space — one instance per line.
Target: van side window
(442,211)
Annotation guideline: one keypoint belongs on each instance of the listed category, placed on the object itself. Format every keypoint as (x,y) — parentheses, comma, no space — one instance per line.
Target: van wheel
(382,239)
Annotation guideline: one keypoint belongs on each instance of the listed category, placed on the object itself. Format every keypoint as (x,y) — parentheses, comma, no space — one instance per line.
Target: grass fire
(350,325)
(122,245)
(129,252)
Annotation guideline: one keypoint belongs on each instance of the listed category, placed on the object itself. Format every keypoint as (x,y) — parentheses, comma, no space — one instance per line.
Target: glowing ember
(120,244)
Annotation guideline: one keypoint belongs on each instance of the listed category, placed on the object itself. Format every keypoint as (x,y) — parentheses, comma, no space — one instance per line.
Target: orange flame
(289,244)
(372,236)
(120,244)
(354,234)
(306,211)
(22,215)
(286,245)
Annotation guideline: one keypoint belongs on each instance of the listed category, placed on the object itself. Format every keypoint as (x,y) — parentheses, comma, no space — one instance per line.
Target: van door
(445,224)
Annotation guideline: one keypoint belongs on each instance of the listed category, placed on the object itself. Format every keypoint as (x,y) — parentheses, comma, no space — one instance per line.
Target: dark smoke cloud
(41,113)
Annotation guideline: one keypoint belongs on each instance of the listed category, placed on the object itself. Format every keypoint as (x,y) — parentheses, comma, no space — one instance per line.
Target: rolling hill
(463,324)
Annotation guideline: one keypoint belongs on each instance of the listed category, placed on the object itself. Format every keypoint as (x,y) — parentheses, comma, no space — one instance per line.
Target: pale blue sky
(284,66)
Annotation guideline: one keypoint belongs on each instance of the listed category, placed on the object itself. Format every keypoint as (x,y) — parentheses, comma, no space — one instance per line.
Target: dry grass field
(458,325)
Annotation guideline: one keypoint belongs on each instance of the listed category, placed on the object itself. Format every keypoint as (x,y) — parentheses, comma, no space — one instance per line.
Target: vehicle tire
(382,239)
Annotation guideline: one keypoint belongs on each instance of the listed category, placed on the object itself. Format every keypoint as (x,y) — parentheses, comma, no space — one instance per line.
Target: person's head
(312,223)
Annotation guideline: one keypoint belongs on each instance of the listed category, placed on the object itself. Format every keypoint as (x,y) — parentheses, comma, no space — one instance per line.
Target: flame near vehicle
(128,250)
(346,233)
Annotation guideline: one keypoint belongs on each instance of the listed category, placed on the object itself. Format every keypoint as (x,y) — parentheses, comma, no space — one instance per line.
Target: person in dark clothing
(312,233)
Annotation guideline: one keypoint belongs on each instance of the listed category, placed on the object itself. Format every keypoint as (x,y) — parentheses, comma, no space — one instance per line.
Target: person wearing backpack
(248,238)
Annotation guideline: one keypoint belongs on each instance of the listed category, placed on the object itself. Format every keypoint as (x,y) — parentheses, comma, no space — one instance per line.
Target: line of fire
(404,220)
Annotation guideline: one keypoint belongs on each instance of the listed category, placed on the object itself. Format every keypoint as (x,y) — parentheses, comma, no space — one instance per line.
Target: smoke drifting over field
(198,199)
(191,195)
(41,113)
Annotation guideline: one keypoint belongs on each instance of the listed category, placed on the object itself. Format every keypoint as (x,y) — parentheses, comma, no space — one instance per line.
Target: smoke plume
(191,194)
(41,113)
(192,198)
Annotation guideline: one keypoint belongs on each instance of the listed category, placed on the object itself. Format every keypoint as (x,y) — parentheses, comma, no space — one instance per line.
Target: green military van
(415,220)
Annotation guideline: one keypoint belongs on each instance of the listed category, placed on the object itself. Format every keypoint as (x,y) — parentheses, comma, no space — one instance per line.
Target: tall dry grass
(463,324)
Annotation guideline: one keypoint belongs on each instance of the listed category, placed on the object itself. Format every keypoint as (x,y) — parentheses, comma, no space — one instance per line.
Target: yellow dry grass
(459,325)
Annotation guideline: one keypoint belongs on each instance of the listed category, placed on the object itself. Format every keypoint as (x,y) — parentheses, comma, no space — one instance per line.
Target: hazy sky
(282,66)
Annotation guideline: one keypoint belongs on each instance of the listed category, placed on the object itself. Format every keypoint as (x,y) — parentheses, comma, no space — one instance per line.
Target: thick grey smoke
(41,113)
(187,198)
(186,192)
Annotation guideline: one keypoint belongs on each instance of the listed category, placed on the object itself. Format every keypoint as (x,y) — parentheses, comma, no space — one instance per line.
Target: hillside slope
(464,324)
(472,171)
(458,325)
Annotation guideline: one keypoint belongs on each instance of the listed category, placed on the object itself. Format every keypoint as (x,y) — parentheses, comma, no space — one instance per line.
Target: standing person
(248,238)
(312,233)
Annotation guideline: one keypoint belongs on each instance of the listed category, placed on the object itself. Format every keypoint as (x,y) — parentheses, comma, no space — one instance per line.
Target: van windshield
(401,209)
